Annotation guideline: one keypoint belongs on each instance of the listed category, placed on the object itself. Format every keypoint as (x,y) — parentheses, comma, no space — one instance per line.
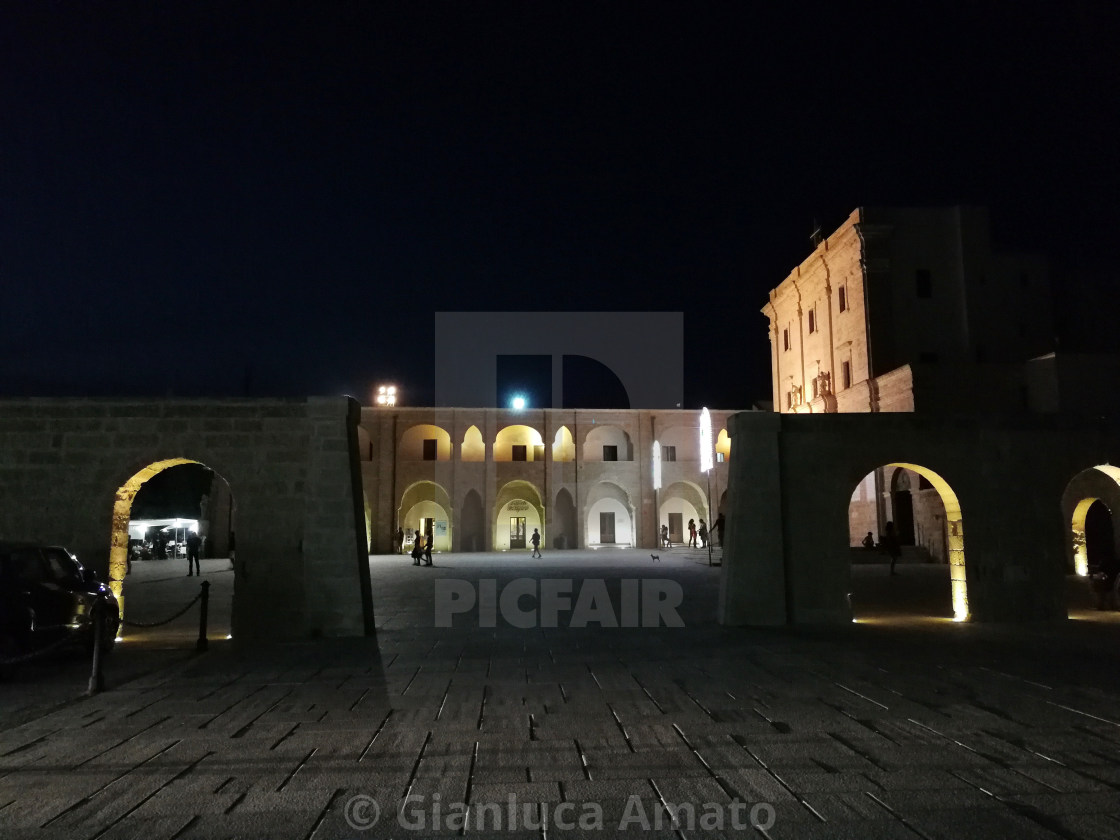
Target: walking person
(692,533)
(890,544)
(194,543)
(703,534)
(536,541)
(417,549)
(665,543)
(428,548)
(717,527)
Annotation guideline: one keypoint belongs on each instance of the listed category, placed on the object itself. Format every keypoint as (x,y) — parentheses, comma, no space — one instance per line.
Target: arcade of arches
(484,479)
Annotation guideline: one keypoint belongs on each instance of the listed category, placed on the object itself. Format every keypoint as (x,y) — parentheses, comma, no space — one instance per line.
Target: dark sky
(204,198)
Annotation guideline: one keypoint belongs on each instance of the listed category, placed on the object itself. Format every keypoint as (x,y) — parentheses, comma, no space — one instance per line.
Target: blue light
(517,403)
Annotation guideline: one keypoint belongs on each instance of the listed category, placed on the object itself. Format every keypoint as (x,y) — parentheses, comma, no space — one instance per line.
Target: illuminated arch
(723,444)
(427,500)
(473,448)
(607,435)
(1100,483)
(686,499)
(517,498)
(608,497)
(411,447)
(122,513)
(955,533)
(518,435)
(563,447)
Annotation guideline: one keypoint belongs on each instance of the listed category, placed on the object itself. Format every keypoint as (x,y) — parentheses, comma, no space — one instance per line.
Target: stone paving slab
(886,730)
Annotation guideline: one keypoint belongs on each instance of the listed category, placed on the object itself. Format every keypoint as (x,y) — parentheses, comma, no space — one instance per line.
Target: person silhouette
(536,541)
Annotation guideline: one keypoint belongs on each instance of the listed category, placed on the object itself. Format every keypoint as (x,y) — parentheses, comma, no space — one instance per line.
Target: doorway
(676,528)
(517,532)
(606,527)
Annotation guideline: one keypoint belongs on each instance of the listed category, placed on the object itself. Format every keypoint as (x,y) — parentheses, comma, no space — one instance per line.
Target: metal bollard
(203,644)
(96,677)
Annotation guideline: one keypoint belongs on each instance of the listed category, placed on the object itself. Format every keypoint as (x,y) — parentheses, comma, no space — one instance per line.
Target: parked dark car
(46,595)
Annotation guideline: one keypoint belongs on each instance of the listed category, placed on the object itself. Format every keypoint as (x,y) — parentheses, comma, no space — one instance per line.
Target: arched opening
(680,502)
(1093,555)
(607,443)
(517,511)
(563,447)
(610,516)
(723,447)
(916,521)
(424,442)
(518,443)
(564,526)
(472,524)
(426,509)
(169,519)
(473,448)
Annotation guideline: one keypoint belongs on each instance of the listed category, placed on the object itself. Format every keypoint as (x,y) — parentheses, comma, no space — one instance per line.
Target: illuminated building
(482,479)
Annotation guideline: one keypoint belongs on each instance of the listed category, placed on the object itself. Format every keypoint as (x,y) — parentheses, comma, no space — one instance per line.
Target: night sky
(273,199)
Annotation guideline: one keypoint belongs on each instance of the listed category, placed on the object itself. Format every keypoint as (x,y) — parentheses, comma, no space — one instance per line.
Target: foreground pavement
(888,728)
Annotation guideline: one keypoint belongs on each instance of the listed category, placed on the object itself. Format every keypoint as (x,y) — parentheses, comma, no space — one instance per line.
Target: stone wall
(788,517)
(290,465)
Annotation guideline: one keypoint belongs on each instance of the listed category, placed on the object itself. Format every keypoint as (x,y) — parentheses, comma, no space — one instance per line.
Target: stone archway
(953,526)
(610,516)
(427,503)
(120,536)
(518,502)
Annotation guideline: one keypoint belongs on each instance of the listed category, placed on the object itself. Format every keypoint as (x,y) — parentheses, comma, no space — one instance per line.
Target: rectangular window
(789,400)
(842,298)
(816,388)
(668,453)
(519,452)
(813,320)
(785,339)
(846,374)
(429,450)
(610,453)
(923,283)
(719,457)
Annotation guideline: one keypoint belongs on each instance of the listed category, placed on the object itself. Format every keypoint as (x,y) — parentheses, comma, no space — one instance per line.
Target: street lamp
(386,395)
(706,468)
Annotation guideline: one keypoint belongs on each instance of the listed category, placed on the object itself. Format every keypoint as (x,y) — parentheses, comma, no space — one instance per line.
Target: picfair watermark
(527,603)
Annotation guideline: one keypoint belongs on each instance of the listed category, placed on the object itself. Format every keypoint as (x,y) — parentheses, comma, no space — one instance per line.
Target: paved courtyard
(897,726)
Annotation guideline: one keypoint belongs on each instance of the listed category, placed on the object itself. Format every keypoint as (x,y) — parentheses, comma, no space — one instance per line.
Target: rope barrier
(181,612)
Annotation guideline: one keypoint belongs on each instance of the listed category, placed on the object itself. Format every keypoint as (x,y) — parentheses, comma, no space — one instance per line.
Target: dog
(656,558)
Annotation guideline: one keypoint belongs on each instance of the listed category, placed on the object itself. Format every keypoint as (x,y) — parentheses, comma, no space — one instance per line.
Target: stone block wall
(288,464)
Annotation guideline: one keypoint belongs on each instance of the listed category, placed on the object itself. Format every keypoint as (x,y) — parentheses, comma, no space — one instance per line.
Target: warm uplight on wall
(386,395)
(656,465)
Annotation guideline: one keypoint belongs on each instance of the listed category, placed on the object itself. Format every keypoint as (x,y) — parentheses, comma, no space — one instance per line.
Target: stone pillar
(752,589)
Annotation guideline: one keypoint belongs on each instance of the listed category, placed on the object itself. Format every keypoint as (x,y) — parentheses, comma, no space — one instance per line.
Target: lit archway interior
(473,448)
(518,500)
(426,500)
(518,443)
(1077,520)
(122,514)
(563,447)
(680,502)
(953,533)
(610,516)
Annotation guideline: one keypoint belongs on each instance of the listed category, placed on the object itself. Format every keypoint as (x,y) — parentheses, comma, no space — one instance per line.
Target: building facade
(902,310)
(483,479)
